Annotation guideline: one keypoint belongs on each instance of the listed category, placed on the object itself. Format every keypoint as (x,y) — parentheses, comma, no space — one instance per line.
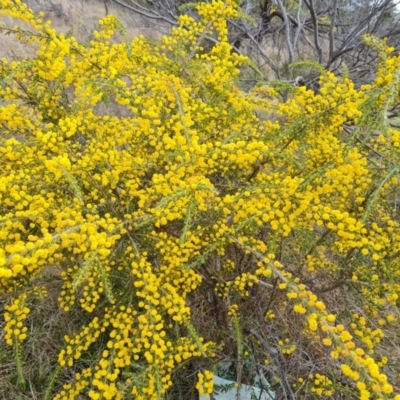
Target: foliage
(179,221)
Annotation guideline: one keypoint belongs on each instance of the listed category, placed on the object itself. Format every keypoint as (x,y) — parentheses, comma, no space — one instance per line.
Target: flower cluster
(178,219)
(205,382)
(14,316)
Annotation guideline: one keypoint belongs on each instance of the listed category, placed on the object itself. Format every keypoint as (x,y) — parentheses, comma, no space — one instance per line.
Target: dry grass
(80,15)
(47,325)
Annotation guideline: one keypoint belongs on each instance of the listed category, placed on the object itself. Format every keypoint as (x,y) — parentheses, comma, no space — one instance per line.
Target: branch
(299,27)
(287,30)
(362,26)
(261,52)
(310,5)
(145,12)
(275,357)
(332,29)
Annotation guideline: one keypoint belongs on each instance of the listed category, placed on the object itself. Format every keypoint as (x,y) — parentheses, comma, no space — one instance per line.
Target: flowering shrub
(184,226)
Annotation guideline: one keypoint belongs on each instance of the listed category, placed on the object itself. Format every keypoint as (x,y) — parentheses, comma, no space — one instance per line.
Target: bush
(182,222)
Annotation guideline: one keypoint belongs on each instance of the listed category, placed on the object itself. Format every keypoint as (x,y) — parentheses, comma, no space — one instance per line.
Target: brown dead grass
(80,15)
